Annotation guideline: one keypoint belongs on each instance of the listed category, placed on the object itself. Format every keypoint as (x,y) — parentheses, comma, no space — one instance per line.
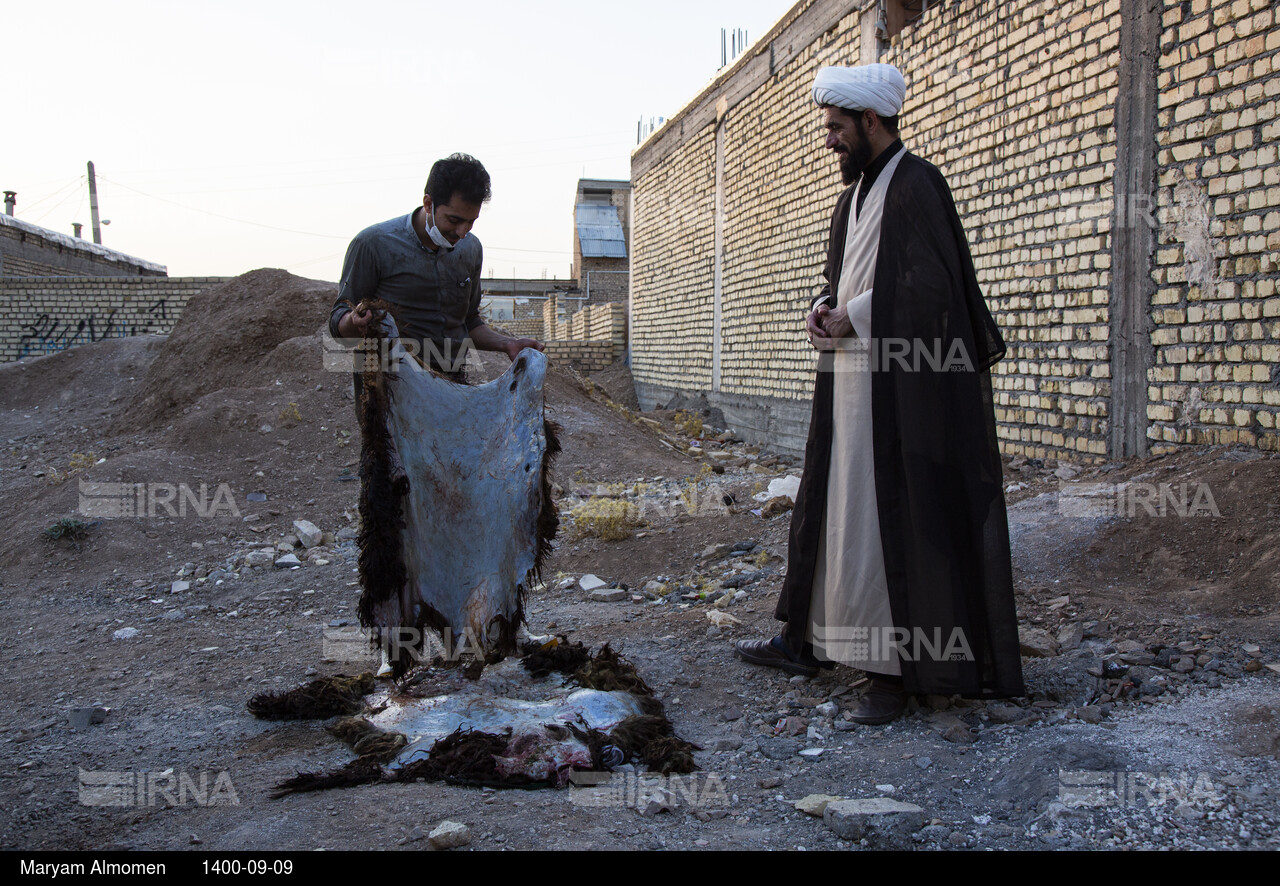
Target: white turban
(878,87)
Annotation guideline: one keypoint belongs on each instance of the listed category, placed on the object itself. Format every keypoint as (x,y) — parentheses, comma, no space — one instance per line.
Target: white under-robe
(850,618)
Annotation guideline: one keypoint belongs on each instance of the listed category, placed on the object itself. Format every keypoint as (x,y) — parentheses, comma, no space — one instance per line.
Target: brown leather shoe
(774,654)
(883,702)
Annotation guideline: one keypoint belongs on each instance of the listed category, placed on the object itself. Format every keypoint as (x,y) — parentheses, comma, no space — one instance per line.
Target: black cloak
(939,492)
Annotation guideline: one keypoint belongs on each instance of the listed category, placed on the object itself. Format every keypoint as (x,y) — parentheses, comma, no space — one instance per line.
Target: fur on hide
(558,655)
(320,699)
(385,484)
(472,757)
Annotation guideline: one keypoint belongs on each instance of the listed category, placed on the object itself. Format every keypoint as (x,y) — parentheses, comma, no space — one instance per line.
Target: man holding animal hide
(455,508)
(427,266)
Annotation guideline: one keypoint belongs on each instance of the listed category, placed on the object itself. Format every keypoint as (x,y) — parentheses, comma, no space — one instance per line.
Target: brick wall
(27,250)
(552,318)
(605,280)
(1153,314)
(589,338)
(1216,377)
(1032,182)
(748,150)
(528,309)
(523,327)
(672,233)
(45,315)
(586,356)
(607,322)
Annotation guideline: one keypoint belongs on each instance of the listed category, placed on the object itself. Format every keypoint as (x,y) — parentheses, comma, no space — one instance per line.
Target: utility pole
(93,206)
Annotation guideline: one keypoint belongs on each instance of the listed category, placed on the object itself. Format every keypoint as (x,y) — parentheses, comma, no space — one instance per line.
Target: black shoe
(883,702)
(773,653)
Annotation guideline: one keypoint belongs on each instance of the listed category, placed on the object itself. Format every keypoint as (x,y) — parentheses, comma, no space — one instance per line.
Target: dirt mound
(601,444)
(225,339)
(95,379)
(615,382)
(1202,528)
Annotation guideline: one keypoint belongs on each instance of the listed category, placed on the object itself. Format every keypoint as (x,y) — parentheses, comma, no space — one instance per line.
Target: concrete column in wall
(869,45)
(722,109)
(1133,233)
(631,266)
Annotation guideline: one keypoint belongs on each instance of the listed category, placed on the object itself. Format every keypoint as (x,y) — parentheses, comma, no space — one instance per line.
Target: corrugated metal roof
(600,231)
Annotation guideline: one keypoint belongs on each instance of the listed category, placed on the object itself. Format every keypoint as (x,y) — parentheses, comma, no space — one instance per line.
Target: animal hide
(455,503)
(505,728)
(541,746)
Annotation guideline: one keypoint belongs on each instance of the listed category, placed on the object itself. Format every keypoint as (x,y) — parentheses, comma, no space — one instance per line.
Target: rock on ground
(884,823)
(450,835)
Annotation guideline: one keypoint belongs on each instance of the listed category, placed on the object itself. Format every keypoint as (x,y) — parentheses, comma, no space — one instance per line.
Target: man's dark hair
(890,124)
(459,174)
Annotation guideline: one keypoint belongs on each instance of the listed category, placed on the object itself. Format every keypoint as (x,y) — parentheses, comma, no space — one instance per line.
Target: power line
(73,183)
(243,221)
(312,261)
(55,206)
(537,251)
(80,205)
(559,252)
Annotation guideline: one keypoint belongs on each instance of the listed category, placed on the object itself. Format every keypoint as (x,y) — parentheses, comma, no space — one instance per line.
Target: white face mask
(434,233)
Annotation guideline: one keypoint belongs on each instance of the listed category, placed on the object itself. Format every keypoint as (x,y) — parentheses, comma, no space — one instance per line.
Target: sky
(233,136)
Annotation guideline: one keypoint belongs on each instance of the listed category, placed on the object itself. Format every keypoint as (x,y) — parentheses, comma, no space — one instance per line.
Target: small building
(601,228)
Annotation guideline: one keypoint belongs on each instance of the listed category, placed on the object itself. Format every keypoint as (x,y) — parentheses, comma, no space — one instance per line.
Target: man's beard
(850,168)
(856,158)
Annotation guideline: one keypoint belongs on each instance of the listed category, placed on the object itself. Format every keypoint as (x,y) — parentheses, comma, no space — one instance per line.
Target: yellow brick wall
(607,322)
(581,355)
(1014,102)
(34,252)
(672,232)
(523,327)
(1217,311)
(780,186)
(589,339)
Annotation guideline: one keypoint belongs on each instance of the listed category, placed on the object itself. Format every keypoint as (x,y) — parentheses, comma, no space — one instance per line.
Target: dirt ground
(1148,591)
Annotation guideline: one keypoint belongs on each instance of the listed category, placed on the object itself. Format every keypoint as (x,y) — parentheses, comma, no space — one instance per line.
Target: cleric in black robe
(937,472)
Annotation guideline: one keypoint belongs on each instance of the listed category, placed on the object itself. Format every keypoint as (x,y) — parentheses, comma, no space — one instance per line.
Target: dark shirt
(873,170)
(436,294)
(869,176)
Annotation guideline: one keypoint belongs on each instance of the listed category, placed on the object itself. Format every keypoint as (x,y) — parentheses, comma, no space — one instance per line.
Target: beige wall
(590,338)
(1015,103)
(49,314)
(1217,336)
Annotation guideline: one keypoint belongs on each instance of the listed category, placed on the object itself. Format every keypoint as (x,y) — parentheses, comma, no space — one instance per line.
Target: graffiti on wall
(47,334)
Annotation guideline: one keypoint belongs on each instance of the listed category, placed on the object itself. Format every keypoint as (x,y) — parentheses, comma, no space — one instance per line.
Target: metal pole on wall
(93,206)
